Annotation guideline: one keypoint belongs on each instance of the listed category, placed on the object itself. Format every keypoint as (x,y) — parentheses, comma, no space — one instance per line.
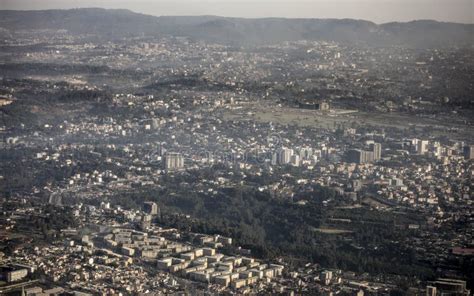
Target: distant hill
(239,31)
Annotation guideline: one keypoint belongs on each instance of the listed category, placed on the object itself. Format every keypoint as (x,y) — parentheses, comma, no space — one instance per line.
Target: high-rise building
(367,156)
(295,160)
(150,208)
(437,149)
(360,156)
(422,147)
(306,153)
(145,222)
(377,150)
(469,152)
(282,156)
(173,161)
(354,155)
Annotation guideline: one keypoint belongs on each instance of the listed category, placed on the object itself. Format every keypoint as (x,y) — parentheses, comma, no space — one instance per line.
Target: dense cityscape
(170,165)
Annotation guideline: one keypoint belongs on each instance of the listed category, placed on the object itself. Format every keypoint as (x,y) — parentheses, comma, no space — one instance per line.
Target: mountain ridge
(119,23)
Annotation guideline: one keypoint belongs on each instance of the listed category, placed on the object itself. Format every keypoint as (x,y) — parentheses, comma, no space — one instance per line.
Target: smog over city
(237,147)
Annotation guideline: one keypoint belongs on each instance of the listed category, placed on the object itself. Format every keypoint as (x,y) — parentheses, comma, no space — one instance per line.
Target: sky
(378,11)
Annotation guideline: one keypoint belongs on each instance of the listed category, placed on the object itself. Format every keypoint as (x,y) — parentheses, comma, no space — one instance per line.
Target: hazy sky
(378,11)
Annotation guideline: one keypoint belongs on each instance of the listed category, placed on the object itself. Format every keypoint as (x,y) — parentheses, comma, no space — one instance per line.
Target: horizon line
(241,17)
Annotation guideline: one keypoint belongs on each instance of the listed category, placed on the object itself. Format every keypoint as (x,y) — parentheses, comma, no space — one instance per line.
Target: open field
(440,126)
(326,230)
